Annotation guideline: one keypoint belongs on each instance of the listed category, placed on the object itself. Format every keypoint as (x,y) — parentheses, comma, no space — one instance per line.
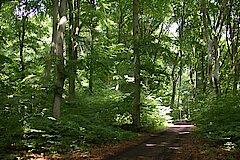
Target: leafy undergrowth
(89,122)
(218,118)
(197,148)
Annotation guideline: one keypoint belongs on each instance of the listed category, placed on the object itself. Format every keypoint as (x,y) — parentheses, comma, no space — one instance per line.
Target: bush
(10,130)
(154,114)
(218,118)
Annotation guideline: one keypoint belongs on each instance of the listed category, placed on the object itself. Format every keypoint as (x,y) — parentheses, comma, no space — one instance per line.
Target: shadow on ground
(160,146)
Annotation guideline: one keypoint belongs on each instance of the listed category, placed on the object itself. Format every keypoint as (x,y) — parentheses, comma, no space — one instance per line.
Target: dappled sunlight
(163,144)
(182,133)
(180,126)
(174,148)
(151,145)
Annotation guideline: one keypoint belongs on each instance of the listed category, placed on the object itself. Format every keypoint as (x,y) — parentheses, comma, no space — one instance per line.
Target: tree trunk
(91,58)
(209,43)
(179,95)
(233,28)
(192,80)
(91,65)
(136,102)
(193,74)
(217,65)
(71,65)
(174,84)
(73,32)
(235,69)
(203,74)
(21,46)
(50,58)
(120,25)
(59,75)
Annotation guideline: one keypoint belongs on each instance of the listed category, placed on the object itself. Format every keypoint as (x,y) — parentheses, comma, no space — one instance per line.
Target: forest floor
(158,146)
(177,142)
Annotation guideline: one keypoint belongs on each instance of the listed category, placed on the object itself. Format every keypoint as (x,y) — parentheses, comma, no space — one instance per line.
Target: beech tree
(74,28)
(59,51)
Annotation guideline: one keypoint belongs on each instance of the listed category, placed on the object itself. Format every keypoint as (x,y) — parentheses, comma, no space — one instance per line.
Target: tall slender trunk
(180,84)
(59,75)
(174,85)
(91,72)
(196,79)
(192,80)
(21,46)
(233,26)
(203,74)
(235,70)
(209,43)
(193,75)
(181,32)
(72,45)
(136,102)
(91,65)
(50,57)
(179,96)
(92,34)
(75,43)
(120,25)
(217,65)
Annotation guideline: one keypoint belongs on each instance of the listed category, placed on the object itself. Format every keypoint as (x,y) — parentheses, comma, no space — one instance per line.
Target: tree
(232,26)
(136,52)
(50,57)
(209,43)
(59,50)
(74,13)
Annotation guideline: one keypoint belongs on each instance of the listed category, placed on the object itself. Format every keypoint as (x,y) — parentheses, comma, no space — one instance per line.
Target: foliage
(154,114)
(218,118)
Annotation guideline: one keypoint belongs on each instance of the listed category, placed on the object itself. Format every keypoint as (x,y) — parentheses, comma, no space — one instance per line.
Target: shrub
(218,118)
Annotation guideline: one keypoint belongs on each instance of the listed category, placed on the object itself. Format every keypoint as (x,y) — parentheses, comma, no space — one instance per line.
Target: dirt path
(161,146)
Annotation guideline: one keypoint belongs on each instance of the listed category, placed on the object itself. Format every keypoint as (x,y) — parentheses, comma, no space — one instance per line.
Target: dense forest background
(77,73)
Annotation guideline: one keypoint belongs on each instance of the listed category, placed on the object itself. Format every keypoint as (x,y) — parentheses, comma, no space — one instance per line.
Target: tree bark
(59,75)
(193,75)
(73,32)
(174,85)
(217,65)
(21,46)
(136,102)
(179,95)
(233,28)
(120,25)
(203,74)
(209,43)
(50,57)
(91,63)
